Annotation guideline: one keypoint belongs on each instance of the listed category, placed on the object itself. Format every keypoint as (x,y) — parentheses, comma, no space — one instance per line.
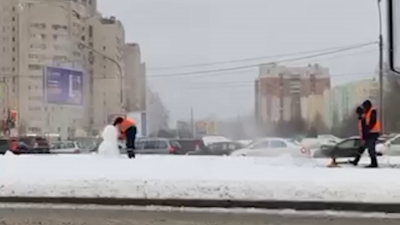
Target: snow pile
(109,145)
(193,177)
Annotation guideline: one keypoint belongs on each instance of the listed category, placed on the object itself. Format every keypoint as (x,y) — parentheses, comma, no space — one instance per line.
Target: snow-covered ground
(282,178)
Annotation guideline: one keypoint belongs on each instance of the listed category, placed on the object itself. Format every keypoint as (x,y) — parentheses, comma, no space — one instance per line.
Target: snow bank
(237,178)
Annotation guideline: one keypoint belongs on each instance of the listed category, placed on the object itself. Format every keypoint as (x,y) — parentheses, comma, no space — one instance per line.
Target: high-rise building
(72,35)
(106,40)
(37,34)
(285,93)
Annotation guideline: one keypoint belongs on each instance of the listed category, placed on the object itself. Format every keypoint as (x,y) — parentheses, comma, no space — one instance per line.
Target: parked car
(31,145)
(70,147)
(391,147)
(219,148)
(158,146)
(272,147)
(190,145)
(4,145)
(207,140)
(244,143)
(348,148)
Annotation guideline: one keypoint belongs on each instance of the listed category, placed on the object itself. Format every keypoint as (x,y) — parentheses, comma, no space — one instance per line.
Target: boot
(131,154)
(355,161)
(374,163)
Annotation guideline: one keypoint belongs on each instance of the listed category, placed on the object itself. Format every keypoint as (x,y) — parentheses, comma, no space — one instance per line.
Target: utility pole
(192,122)
(381,70)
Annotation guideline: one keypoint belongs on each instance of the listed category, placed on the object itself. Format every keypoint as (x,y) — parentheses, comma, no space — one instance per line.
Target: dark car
(157,146)
(218,148)
(32,145)
(4,145)
(190,145)
(347,148)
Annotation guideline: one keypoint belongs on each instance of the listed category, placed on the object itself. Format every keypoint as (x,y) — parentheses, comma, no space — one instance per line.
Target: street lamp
(381,93)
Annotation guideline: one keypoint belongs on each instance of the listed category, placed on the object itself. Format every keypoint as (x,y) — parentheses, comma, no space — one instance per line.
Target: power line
(252,83)
(260,64)
(259,58)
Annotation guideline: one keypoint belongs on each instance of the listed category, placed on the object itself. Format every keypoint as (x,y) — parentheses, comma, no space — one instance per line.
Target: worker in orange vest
(371,133)
(361,131)
(128,130)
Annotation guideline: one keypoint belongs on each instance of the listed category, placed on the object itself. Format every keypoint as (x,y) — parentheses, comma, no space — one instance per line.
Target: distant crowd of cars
(320,147)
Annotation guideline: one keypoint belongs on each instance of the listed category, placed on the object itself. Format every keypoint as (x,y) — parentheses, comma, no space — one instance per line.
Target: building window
(35,98)
(59,27)
(13,19)
(13,59)
(34,67)
(13,29)
(38,25)
(13,39)
(38,46)
(13,49)
(90,31)
(35,108)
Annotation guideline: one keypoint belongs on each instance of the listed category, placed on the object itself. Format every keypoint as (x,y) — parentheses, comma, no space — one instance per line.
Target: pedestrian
(371,133)
(128,130)
(362,131)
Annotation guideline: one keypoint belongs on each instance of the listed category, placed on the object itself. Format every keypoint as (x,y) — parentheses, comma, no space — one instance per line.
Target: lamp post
(381,69)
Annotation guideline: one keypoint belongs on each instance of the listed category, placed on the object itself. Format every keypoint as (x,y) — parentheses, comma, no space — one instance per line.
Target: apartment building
(135,78)
(39,34)
(106,70)
(284,93)
(345,98)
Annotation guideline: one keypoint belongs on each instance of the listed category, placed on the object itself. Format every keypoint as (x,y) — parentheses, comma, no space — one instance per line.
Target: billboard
(63,86)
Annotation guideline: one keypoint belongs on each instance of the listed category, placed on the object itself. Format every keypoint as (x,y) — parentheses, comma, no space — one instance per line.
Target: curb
(201,203)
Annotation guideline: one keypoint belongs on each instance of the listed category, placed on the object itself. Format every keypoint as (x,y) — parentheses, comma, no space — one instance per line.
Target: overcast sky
(182,32)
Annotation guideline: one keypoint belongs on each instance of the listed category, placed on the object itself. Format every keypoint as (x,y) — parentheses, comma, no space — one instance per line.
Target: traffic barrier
(201,203)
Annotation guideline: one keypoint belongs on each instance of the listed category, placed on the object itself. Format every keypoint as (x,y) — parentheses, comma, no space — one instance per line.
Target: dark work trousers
(360,152)
(130,140)
(370,144)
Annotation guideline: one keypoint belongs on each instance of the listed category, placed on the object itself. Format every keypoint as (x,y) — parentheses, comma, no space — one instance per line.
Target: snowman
(109,145)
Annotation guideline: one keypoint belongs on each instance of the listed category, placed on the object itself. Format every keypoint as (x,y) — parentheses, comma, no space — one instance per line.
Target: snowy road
(47,215)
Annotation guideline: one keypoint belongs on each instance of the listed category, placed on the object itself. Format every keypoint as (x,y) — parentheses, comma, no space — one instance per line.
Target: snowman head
(110,133)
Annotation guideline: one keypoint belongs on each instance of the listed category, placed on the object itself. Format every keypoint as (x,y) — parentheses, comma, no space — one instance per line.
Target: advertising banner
(63,86)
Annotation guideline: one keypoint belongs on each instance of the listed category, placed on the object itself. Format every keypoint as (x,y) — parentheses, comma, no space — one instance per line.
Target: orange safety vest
(377,126)
(126,124)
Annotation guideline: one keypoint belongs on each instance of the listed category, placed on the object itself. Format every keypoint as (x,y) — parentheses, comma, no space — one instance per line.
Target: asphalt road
(13,215)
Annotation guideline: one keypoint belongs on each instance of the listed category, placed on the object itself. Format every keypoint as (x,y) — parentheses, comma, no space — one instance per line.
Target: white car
(208,140)
(391,147)
(69,147)
(273,147)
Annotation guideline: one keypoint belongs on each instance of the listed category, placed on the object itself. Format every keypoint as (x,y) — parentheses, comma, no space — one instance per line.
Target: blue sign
(64,86)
